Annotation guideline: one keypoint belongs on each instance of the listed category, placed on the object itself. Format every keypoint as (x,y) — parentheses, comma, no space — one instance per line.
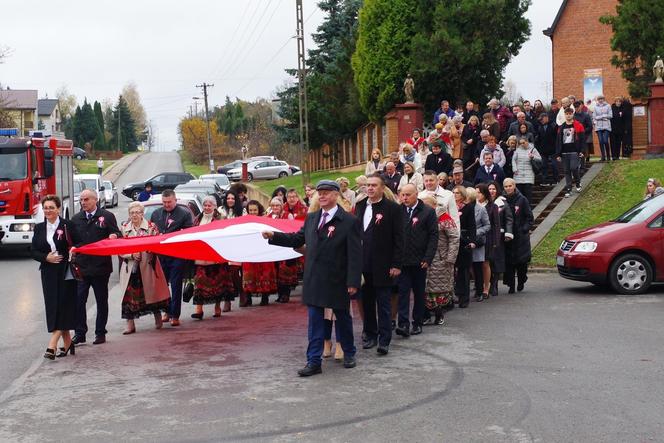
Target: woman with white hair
(212,281)
(347,193)
(141,276)
(410,175)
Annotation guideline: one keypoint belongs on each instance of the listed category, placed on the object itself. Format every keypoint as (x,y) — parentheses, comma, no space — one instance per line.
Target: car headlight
(586,246)
(22,227)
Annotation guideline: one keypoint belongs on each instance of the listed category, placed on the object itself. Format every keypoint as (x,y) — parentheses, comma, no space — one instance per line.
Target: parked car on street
(295,170)
(626,253)
(80,154)
(94,182)
(202,188)
(111,194)
(160,182)
(79,186)
(262,169)
(228,166)
(220,179)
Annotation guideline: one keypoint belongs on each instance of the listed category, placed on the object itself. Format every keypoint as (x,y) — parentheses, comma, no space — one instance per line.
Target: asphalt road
(560,362)
(23,333)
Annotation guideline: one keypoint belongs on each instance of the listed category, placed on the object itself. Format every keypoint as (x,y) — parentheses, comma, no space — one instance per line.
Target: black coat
(442,162)
(333,258)
(59,294)
(468,235)
(420,235)
(387,238)
(497,174)
(392,182)
(506,229)
(93,230)
(546,139)
(518,250)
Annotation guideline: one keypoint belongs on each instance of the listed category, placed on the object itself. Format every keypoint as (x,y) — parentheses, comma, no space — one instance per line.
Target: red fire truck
(31,168)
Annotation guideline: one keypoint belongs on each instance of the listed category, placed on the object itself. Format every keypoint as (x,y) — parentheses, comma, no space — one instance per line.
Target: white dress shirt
(50,232)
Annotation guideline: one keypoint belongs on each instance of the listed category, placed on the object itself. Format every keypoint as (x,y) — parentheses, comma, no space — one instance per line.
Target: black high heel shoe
(70,350)
(50,354)
(197,315)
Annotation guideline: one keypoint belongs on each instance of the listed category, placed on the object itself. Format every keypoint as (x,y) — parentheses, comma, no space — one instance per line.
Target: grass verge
(618,187)
(90,166)
(295,181)
(193,168)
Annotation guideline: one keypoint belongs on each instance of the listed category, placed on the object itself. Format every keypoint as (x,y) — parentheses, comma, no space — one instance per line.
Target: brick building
(580,44)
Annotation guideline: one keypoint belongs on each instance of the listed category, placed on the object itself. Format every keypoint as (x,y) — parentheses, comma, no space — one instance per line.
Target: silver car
(219,179)
(262,170)
(111,193)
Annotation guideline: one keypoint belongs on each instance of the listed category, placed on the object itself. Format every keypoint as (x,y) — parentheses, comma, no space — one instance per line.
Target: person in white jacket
(410,175)
(522,167)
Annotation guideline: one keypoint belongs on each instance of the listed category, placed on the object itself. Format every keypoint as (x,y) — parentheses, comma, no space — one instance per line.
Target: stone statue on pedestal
(409,89)
(658,70)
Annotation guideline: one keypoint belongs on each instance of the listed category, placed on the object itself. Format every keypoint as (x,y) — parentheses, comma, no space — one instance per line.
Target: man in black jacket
(332,271)
(438,160)
(171,218)
(382,247)
(584,118)
(391,177)
(546,145)
(420,244)
(93,224)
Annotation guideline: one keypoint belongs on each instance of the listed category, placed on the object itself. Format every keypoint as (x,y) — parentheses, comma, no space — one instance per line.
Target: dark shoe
(78,339)
(463,305)
(368,344)
(349,362)
(519,287)
(99,339)
(479,297)
(511,290)
(427,321)
(309,370)
(197,315)
(71,350)
(285,299)
(50,354)
(382,350)
(402,331)
(265,300)
(440,317)
(417,330)
(485,296)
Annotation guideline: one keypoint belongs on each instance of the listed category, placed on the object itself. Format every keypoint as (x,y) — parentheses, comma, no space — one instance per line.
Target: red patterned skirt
(287,272)
(212,284)
(259,278)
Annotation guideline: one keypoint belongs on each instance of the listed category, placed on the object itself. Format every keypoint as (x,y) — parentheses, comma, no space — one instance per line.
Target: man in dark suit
(93,224)
(439,160)
(391,177)
(490,171)
(332,271)
(420,244)
(382,247)
(171,218)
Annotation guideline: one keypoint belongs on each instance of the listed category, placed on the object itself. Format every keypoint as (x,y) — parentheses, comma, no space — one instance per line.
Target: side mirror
(102,189)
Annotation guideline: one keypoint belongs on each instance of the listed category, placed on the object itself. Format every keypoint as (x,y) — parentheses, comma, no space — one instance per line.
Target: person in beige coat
(141,278)
(411,176)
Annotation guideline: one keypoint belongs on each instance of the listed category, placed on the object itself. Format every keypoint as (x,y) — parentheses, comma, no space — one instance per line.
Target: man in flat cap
(332,271)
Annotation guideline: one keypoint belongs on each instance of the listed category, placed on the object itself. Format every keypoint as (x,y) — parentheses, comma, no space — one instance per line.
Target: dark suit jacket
(420,235)
(442,162)
(393,182)
(387,238)
(497,174)
(468,235)
(91,231)
(333,258)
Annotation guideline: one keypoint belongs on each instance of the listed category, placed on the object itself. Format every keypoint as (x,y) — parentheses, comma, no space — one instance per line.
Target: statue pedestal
(400,122)
(656,121)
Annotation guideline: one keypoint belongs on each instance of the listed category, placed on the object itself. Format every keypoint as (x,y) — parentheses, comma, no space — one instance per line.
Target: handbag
(188,291)
(536,164)
(73,268)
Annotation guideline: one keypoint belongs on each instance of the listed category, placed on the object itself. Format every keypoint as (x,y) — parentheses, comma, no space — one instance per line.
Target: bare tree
(66,101)
(512,94)
(132,97)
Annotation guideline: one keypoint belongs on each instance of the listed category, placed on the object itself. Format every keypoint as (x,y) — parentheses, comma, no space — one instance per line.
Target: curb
(543,270)
(122,164)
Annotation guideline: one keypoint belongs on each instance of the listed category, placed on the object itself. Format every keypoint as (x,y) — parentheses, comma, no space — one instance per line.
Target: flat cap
(457,170)
(327,185)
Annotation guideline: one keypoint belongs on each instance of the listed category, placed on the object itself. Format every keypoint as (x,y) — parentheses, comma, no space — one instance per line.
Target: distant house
(21,104)
(48,115)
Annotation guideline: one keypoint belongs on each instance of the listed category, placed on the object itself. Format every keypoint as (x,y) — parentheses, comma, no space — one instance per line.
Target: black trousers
(616,145)
(527,190)
(521,272)
(99,285)
(377,297)
(415,278)
(478,273)
(462,284)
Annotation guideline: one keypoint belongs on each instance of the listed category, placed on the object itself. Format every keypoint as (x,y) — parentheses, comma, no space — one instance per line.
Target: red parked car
(627,253)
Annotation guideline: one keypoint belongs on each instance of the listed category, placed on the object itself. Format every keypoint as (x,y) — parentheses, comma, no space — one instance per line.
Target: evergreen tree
(125,139)
(638,40)
(100,141)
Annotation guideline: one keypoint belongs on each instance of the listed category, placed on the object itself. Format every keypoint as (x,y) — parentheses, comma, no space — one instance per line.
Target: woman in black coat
(467,240)
(51,243)
(518,250)
(506,235)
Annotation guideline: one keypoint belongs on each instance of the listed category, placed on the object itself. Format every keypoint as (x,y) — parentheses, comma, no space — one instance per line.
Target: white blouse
(50,232)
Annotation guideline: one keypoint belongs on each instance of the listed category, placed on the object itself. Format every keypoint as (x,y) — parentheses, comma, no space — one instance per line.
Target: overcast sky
(167,47)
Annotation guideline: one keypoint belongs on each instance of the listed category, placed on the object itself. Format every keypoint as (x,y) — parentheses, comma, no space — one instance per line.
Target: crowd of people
(439,211)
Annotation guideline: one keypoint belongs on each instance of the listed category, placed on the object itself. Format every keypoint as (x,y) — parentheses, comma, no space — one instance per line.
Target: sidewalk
(118,167)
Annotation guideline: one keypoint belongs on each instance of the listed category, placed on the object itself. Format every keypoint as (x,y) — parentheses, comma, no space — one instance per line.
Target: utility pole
(207,122)
(302,94)
(119,119)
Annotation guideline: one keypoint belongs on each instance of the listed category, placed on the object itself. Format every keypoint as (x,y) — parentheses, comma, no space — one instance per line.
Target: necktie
(89,216)
(368,213)
(410,213)
(488,170)
(323,220)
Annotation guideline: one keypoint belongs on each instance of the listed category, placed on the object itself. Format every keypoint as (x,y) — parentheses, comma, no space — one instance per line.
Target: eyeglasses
(135,212)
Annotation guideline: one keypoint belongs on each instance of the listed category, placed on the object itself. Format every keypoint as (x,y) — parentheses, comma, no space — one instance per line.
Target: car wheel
(116,202)
(79,157)
(630,274)
(135,194)
(250,177)
(283,174)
